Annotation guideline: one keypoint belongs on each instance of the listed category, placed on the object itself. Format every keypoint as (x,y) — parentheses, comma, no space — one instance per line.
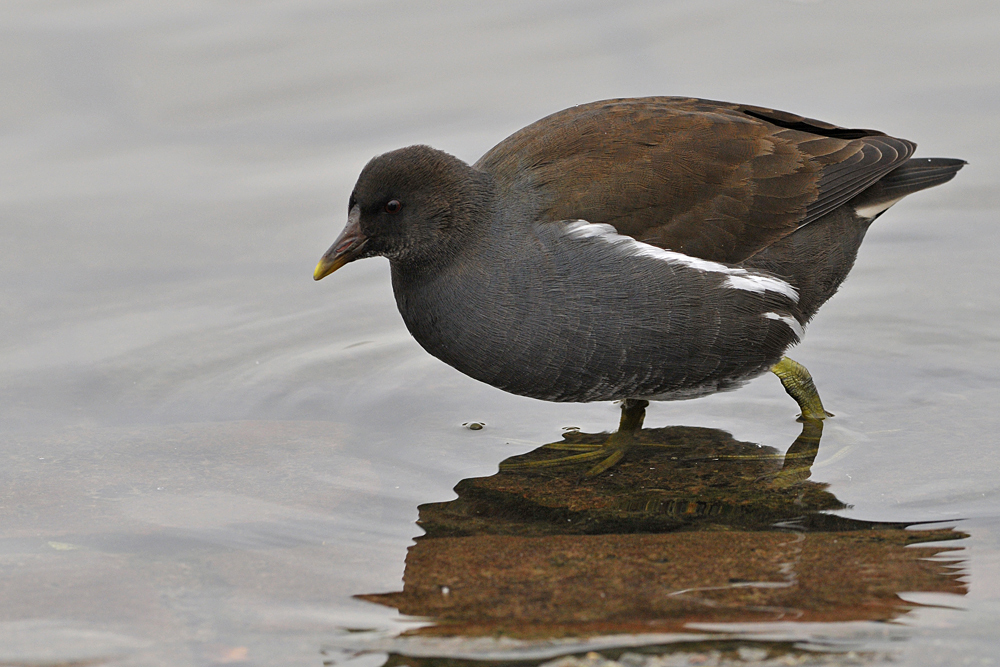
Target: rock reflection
(691,526)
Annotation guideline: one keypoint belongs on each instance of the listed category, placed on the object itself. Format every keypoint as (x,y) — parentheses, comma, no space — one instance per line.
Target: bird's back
(731,183)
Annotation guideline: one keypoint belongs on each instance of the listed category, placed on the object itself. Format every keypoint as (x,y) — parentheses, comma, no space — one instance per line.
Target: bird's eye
(393,206)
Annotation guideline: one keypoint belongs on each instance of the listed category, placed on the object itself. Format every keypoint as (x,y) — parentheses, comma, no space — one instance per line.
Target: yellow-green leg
(797,466)
(610,453)
(799,385)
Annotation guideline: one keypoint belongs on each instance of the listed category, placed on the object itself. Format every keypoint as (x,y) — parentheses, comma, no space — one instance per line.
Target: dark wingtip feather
(920,173)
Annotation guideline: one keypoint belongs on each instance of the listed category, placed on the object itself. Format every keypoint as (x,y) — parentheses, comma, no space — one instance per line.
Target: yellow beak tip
(326,267)
(323,269)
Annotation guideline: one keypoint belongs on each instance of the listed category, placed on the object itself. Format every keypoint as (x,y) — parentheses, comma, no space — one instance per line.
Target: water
(208,454)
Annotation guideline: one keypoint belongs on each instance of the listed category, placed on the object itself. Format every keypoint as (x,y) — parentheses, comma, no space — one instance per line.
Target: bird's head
(413,205)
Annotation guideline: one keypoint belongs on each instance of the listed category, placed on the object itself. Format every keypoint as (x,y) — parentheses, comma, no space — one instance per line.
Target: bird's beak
(346,248)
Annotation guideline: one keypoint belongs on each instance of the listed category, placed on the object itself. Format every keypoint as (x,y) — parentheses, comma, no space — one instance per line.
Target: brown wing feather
(715,180)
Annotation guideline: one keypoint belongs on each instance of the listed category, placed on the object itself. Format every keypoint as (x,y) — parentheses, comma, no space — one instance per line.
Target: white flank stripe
(736,278)
(872,210)
(792,323)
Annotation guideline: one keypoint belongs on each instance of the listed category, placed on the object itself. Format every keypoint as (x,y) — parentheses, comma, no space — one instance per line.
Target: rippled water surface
(208,456)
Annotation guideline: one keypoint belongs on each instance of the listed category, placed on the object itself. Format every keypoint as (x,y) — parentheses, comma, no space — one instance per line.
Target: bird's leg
(633,413)
(799,458)
(610,452)
(799,385)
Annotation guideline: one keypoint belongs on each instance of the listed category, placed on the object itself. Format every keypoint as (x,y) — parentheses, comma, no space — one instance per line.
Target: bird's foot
(799,384)
(608,453)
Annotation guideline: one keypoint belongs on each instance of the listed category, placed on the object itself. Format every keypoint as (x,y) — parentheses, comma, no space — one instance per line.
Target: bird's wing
(713,180)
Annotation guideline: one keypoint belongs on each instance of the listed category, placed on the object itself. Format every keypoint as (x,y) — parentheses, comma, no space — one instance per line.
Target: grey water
(206,455)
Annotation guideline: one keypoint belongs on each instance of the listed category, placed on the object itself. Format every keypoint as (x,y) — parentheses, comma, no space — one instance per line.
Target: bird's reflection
(690,526)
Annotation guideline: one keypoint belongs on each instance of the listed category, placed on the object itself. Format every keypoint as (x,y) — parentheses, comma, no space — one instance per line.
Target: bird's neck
(470,224)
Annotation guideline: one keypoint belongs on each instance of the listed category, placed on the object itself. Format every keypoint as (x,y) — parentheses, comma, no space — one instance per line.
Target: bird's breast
(566,318)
